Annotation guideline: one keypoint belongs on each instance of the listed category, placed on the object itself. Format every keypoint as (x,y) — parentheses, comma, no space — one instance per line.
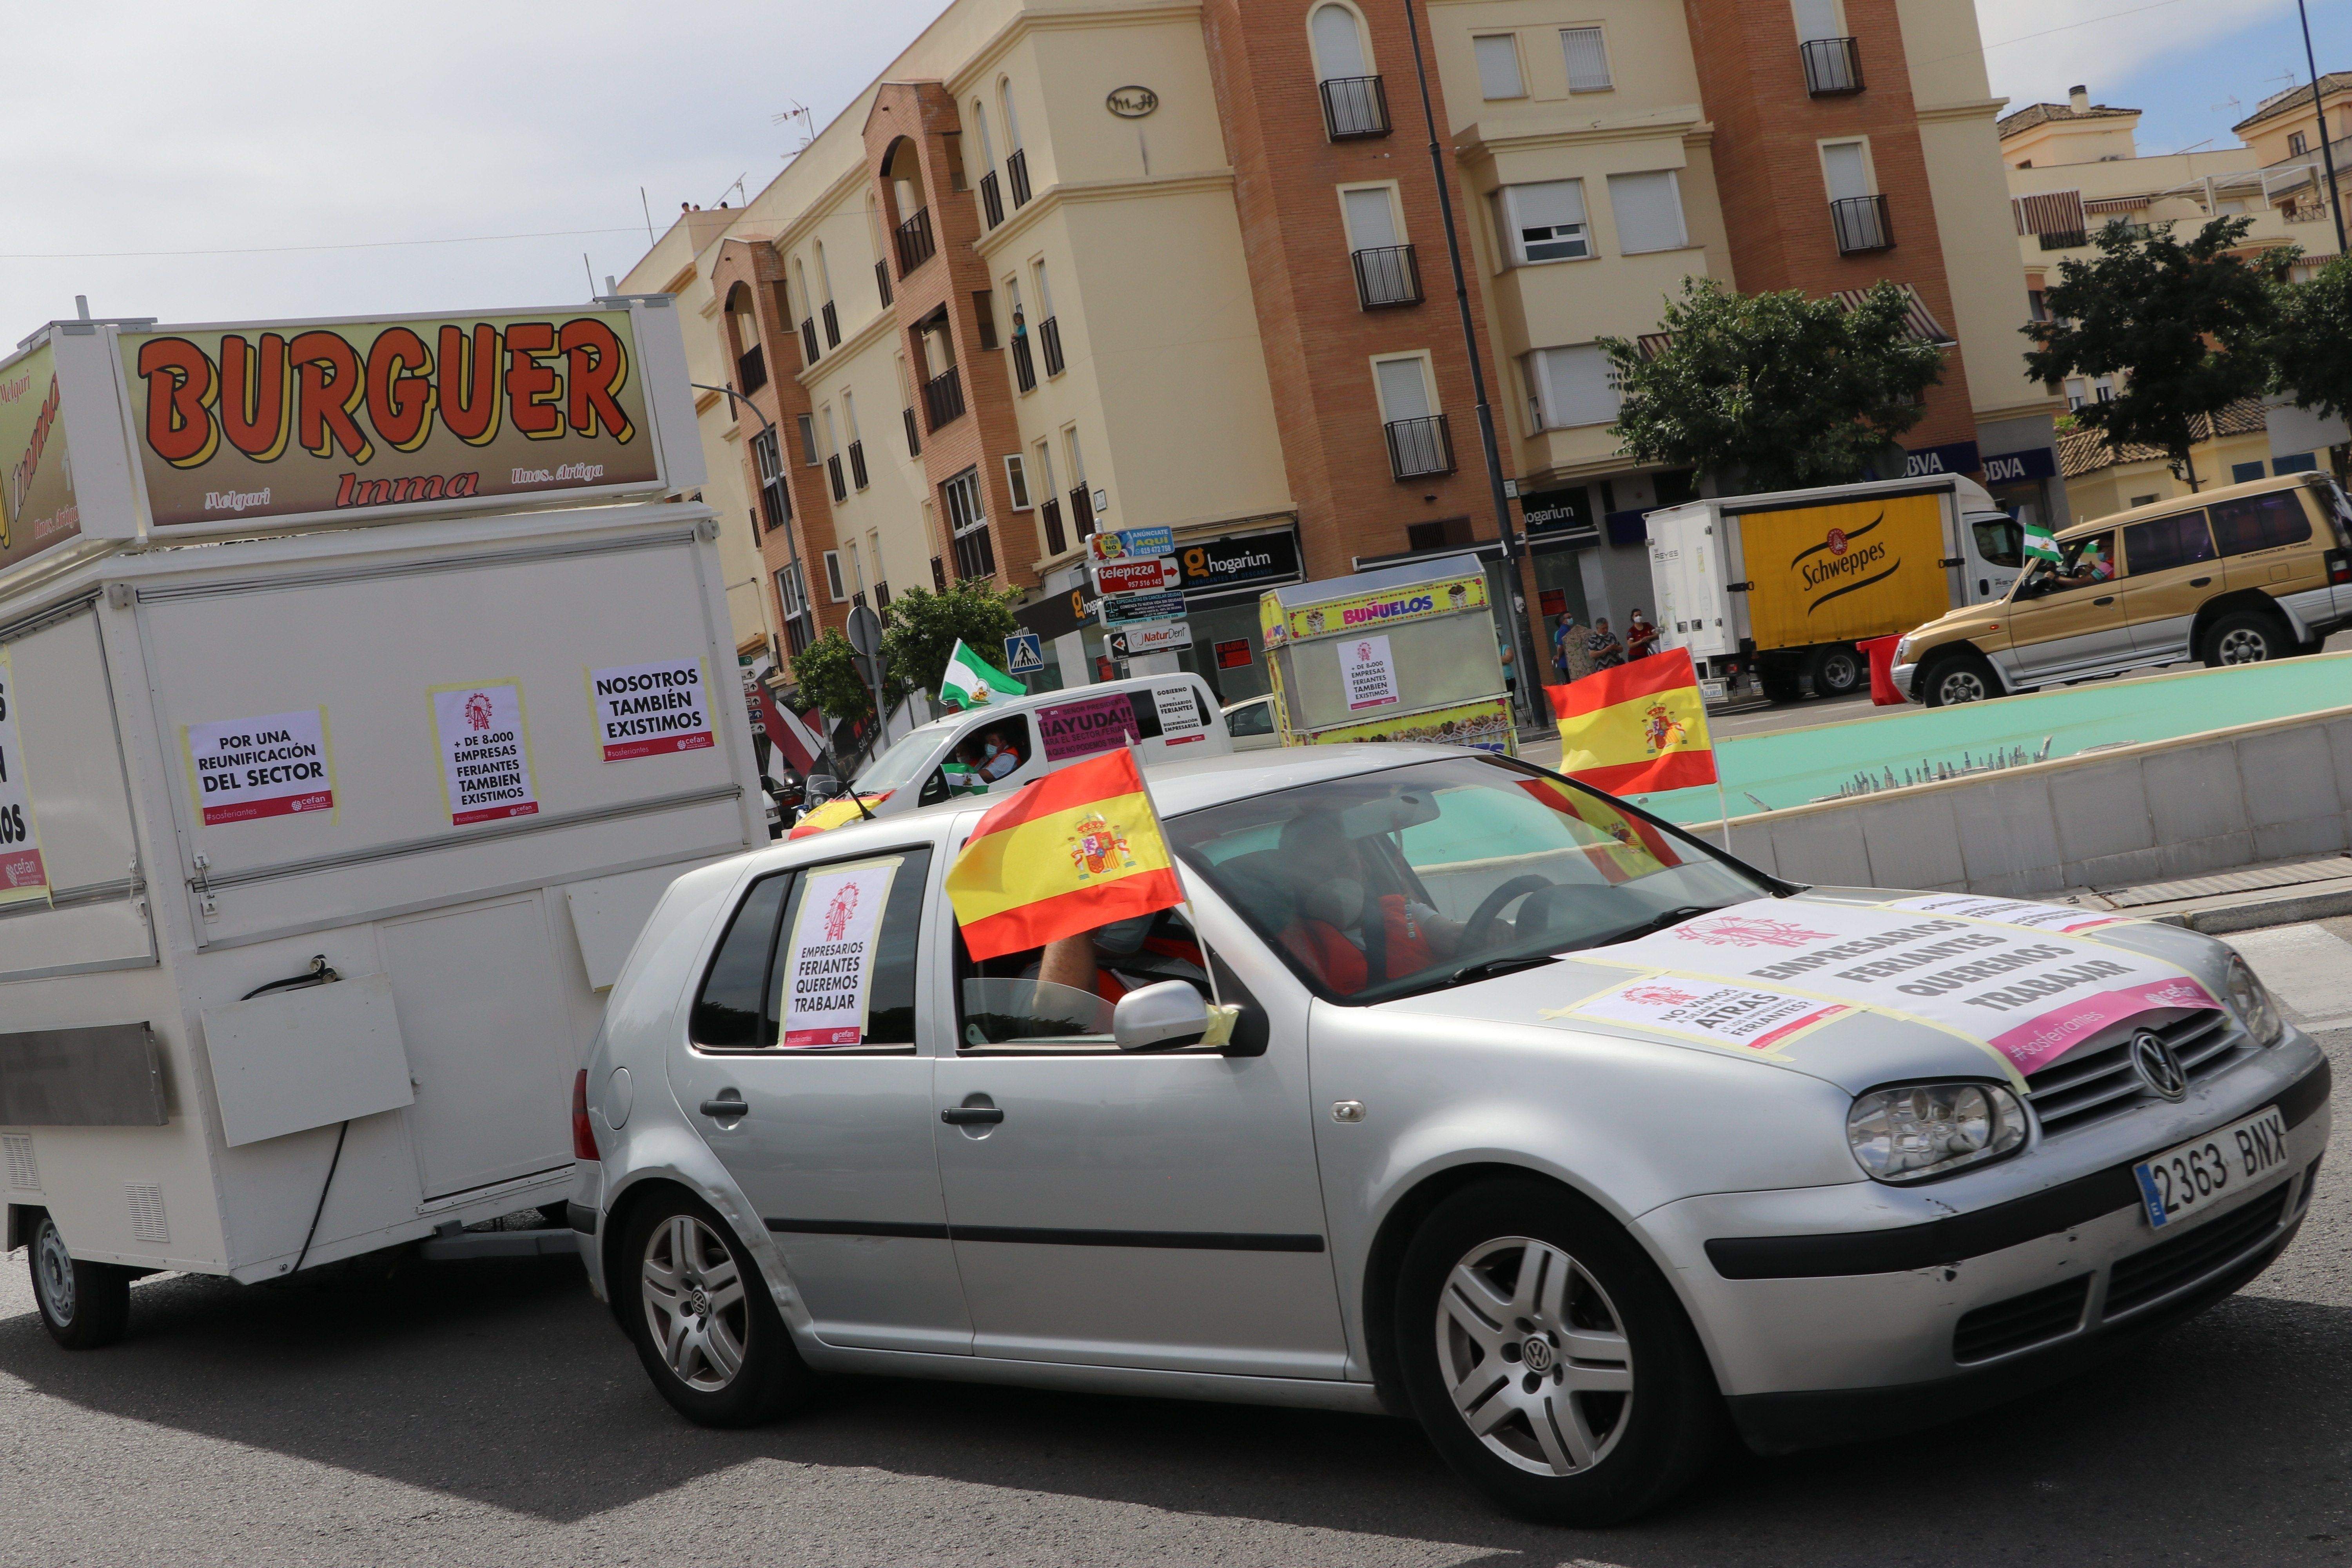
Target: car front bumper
(1860,1310)
(1903,674)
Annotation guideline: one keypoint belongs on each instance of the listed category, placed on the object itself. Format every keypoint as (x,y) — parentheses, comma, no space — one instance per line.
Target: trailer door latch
(206,903)
(1955,561)
(1739,587)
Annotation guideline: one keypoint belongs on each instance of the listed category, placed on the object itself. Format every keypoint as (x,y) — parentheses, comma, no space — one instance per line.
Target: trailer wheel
(83,1305)
(1838,671)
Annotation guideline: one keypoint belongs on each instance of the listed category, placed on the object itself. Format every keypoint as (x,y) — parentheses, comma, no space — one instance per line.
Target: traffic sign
(1143,574)
(1120,543)
(1129,609)
(1025,653)
(1152,637)
(865,631)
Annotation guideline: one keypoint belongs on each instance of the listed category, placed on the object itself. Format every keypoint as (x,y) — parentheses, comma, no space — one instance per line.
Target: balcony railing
(1355,106)
(1016,174)
(1418,447)
(808,339)
(916,244)
(1049,336)
(858,464)
(914,436)
(975,553)
(1024,369)
(1833,67)
(882,280)
(1049,511)
(1387,275)
(832,471)
(832,327)
(752,370)
(1082,512)
(1861,223)
(943,398)
(2299,213)
(992,199)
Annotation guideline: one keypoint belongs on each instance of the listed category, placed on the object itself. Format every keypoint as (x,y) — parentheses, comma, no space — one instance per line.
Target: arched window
(1012,121)
(980,124)
(1339,41)
(800,286)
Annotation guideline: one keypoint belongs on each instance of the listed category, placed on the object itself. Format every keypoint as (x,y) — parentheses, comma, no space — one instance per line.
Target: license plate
(2203,1172)
(1710,691)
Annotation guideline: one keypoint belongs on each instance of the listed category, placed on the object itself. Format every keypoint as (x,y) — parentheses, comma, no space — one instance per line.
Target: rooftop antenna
(798,111)
(737,187)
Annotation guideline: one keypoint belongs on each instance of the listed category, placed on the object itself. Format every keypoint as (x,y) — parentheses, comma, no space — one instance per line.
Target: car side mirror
(1160,1017)
(823,787)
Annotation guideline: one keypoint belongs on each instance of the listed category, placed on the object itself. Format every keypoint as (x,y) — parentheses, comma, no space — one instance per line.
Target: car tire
(1839,671)
(83,1305)
(699,1313)
(2245,636)
(1597,1312)
(1958,678)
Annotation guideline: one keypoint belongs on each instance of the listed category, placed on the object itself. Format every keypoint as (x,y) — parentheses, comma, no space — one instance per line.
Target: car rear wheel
(1548,1360)
(1958,678)
(1838,671)
(83,1305)
(704,1324)
(2245,637)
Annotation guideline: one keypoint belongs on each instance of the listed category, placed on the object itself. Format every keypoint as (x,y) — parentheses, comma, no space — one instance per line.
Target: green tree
(1773,391)
(2186,325)
(2312,329)
(827,676)
(920,629)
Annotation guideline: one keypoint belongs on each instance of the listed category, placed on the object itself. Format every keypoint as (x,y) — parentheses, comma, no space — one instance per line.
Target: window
(975,554)
(1845,165)
(1404,388)
(775,497)
(2301,463)
(800,622)
(1016,481)
(1077,458)
(729,1014)
(809,454)
(2296,145)
(2079,392)
(987,148)
(1588,59)
(1012,121)
(2180,540)
(1818,19)
(2145,500)
(1545,222)
(789,596)
(1005,1006)
(748,999)
(2035,305)
(1372,217)
(1338,44)
(1649,212)
(2261,522)
(1572,386)
(832,582)
(1498,65)
(2000,540)
(2245,473)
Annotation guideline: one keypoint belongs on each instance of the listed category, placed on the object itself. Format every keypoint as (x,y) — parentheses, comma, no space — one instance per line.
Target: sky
(251,159)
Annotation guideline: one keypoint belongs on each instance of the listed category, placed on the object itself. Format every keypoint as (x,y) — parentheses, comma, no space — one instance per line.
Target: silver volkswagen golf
(1535,1120)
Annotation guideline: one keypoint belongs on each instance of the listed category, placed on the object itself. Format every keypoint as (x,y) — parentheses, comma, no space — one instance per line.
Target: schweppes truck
(1776,590)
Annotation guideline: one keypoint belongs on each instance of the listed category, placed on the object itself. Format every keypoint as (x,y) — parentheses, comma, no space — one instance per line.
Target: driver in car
(1348,936)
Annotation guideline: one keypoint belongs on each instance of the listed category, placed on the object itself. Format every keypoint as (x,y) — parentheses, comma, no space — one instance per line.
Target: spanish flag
(1063,854)
(1637,728)
(1632,847)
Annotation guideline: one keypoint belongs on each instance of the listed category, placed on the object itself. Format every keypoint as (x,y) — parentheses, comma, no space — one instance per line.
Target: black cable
(340,1134)
(317,975)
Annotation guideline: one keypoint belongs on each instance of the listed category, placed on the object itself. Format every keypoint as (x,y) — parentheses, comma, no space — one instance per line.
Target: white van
(1168,716)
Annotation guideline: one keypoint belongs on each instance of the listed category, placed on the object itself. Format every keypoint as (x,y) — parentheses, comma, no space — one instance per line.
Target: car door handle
(729,1106)
(2105,599)
(2201,582)
(972,1115)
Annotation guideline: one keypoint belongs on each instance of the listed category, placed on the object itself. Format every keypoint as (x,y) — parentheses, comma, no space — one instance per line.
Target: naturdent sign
(38,506)
(234,423)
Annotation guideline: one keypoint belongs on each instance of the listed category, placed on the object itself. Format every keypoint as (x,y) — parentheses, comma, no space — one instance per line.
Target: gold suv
(2232,576)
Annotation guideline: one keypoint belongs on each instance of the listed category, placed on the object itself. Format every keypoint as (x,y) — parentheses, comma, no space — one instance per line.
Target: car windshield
(903,763)
(1417,878)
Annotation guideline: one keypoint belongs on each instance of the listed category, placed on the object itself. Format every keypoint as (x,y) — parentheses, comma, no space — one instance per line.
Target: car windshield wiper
(1672,917)
(1487,968)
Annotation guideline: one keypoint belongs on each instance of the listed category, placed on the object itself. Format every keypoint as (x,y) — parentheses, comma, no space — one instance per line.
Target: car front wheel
(83,1305)
(704,1324)
(1958,678)
(1548,1360)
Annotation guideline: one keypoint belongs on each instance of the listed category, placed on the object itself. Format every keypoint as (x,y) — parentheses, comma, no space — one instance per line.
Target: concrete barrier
(2180,807)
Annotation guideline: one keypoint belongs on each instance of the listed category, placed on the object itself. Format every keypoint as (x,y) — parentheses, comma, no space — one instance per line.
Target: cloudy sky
(253,158)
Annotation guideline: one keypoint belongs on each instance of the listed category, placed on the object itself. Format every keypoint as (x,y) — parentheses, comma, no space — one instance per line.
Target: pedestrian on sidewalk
(1640,636)
(1607,652)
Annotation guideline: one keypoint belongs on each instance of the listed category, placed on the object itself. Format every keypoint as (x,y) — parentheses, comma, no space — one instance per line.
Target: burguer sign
(235,423)
(37,508)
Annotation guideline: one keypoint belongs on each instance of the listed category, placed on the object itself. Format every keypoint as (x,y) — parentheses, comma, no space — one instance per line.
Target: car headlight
(2249,999)
(1932,1129)
(1902,650)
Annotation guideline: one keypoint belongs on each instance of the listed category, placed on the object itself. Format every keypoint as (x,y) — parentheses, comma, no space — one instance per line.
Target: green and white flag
(2041,544)
(970,679)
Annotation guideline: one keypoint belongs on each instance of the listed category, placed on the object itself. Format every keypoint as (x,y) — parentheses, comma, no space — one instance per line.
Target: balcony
(1418,447)
(943,398)
(916,244)
(832,327)
(832,471)
(914,436)
(1017,173)
(1049,337)
(1833,67)
(752,370)
(975,553)
(1386,276)
(1861,223)
(1049,512)
(992,199)
(808,339)
(1355,106)
(1082,512)
(882,280)
(1024,369)
(858,464)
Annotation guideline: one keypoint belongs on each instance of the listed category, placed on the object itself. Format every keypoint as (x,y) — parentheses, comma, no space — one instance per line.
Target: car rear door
(2169,570)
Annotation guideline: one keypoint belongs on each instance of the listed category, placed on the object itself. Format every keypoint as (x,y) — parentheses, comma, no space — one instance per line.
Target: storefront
(1223,577)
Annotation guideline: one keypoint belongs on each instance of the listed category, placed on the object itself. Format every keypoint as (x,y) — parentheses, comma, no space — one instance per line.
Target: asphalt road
(490,1413)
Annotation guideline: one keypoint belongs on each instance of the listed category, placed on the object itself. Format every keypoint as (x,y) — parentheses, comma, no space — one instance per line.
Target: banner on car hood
(2022,985)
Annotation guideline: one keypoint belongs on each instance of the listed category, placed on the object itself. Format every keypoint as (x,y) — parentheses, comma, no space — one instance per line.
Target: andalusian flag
(2041,544)
(1637,728)
(1066,853)
(970,679)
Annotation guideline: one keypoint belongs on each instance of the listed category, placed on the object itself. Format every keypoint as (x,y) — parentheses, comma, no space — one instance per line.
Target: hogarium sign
(273,420)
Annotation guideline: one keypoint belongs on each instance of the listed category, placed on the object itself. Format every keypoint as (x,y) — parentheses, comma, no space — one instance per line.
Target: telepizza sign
(274,420)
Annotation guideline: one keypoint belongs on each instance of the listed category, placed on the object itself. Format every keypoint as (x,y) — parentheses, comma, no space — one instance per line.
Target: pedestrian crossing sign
(1024,654)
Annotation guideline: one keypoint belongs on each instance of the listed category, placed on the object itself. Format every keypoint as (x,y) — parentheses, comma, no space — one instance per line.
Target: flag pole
(1208,961)
(1723,805)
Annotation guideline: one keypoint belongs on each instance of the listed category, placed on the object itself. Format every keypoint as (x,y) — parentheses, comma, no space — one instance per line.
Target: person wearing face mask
(1346,934)
(988,756)
(1640,636)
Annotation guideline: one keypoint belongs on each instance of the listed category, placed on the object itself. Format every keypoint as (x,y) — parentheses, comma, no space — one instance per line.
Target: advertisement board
(1120,543)
(1152,637)
(1485,726)
(37,506)
(1240,560)
(1138,575)
(24,875)
(231,424)
(1356,611)
(1127,609)
(1840,572)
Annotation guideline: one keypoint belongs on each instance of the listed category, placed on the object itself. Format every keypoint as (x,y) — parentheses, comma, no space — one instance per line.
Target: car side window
(728,1015)
(1061,996)
(2261,522)
(844,973)
(2162,543)
(1255,719)
(2089,561)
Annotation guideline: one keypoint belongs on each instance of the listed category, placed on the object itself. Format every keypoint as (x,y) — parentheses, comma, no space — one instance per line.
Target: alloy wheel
(2243,644)
(1960,686)
(695,1302)
(1535,1357)
(53,1271)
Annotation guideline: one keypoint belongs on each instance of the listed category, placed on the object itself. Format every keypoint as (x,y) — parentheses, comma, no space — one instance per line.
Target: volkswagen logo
(2157,1066)
(1536,1352)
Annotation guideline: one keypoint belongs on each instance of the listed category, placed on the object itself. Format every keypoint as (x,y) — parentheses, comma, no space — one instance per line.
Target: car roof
(1061,694)
(2171,504)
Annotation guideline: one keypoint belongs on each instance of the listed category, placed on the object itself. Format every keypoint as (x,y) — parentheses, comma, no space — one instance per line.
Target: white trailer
(333,836)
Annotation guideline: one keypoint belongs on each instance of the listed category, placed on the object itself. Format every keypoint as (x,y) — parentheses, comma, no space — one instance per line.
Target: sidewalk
(2276,892)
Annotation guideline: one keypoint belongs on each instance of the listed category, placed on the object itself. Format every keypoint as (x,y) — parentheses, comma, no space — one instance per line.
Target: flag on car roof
(1078,848)
(1637,728)
(2041,544)
(969,680)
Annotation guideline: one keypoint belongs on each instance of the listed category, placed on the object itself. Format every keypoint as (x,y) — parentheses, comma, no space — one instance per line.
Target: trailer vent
(146,1200)
(23,1174)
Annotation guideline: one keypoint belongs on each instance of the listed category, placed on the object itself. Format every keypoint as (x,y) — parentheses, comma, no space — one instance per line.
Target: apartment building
(1128,263)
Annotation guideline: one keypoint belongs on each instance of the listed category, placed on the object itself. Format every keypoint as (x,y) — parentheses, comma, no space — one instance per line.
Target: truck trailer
(363,685)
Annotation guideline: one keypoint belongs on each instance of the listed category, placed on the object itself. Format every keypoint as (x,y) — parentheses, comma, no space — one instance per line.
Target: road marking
(2308,967)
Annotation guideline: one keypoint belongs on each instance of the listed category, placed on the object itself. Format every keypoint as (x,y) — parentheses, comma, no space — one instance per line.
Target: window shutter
(2054,212)
(833,584)
(1371,222)
(1338,49)
(1498,65)
(1576,386)
(1588,59)
(1016,481)
(1548,205)
(1404,395)
(1649,212)
(1817,20)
